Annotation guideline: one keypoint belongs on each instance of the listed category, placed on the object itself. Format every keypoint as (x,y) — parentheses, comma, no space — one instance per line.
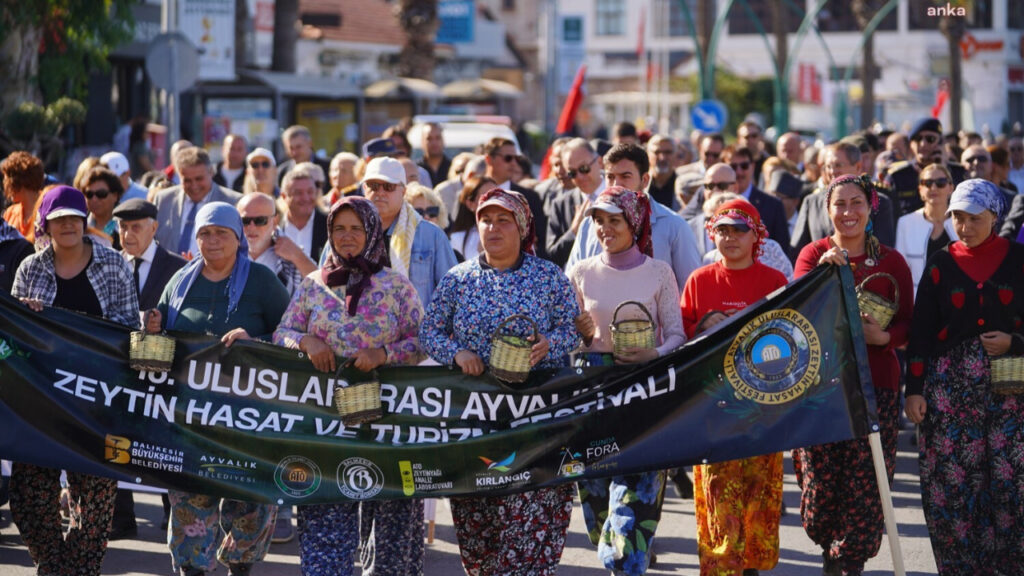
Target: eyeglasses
(936,183)
(263,164)
(973,159)
(101,194)
(378,186)
(257,220)
(429,211)
(740,166)
(720,186)
(505,157)
(928,138)
(712,155)
(584,169)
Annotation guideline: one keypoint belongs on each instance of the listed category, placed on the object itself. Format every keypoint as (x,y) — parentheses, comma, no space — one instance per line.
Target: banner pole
(891,529)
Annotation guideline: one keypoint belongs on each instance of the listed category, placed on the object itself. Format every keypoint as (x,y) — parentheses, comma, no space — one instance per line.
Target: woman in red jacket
(840,506)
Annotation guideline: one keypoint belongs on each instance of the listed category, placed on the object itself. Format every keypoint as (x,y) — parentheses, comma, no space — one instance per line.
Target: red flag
(568,115)
(940,100)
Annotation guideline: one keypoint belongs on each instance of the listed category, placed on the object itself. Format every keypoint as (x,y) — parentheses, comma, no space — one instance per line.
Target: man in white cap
(118,164)
(419,249)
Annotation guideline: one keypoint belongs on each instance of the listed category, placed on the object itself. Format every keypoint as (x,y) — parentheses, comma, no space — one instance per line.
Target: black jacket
(164,265)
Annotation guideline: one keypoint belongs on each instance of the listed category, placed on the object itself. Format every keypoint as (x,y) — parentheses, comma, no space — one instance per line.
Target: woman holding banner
(840,506)
(737,503)
(358,308)
(625,270)
(79,275)
(520,533)
(968,314)
(221,293)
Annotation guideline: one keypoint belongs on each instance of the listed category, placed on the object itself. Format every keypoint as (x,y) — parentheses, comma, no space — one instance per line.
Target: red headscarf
(636,209)
(745,212)
(515,203)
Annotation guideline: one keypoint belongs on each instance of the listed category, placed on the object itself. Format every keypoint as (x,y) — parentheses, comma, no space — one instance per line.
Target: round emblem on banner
(774,358)
(297,476)
(359,479)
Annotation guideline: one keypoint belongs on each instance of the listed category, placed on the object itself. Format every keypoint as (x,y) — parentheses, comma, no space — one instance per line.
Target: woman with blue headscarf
(220,292)
(969,310)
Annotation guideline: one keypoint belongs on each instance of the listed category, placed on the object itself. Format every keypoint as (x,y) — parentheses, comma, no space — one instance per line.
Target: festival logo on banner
(297,476)
(570,466)
(774,359)
(489,479)
(359,479)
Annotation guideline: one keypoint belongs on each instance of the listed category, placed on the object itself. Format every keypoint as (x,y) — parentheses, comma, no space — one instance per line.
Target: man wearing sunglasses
(749,135)
(500,156)
(230,171)
(720,178)
(925,149)
(580,165)
(269,248)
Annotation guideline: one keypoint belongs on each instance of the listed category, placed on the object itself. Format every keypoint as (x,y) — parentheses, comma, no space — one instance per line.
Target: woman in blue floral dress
(969,311)
(521,534)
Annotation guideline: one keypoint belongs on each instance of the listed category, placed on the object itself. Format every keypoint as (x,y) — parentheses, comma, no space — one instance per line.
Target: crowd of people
(382,260)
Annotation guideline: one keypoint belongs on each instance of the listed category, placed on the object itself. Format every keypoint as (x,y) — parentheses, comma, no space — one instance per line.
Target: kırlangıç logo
(5,350)
(359,479)
(774,358)
(117,450)
(499,465)
(297,476)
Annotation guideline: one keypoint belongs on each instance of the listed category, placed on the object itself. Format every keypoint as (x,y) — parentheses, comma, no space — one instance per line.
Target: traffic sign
(709,116)
(172,62)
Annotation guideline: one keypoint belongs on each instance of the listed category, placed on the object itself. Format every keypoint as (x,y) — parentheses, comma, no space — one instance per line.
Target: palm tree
(953,28)
(863,11)
(418,19)
(286,35)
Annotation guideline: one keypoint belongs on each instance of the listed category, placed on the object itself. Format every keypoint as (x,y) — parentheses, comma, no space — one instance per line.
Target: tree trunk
(867,81)
(243,29)
(953,28)
(705,24)
(286,35)
(418,19)
(780,30)
(19,67)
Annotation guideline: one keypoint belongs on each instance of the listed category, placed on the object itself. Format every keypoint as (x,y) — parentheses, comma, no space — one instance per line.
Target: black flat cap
(379,147)
(785,184)
(926,125)
(135,209)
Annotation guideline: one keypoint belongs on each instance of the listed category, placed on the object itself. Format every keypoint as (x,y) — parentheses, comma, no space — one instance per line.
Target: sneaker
(239,569)
(283,531)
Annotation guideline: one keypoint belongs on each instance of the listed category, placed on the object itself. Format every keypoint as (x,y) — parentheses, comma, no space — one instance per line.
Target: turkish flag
(568,115)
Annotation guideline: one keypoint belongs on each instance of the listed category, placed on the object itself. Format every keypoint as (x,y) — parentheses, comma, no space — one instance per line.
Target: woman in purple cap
(969,311)
(76,274)
(520,534)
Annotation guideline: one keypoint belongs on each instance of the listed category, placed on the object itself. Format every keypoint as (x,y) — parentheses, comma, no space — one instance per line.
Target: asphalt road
(676,543)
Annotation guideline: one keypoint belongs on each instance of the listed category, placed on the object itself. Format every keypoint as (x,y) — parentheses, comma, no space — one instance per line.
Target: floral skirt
(972,467)
(329,536)
(621,515)
(737,505)
(204,529)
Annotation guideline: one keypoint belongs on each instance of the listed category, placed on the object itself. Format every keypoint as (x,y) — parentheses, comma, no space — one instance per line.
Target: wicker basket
(878,307)
(510,355)
(633,333)
(358,403)
(150,352)
(1008,374)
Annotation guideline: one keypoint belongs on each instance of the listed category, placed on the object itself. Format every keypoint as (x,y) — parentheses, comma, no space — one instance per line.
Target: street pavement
(676,544)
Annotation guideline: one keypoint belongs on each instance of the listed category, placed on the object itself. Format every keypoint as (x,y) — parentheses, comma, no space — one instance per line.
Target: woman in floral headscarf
(523,533)
(357,307)
(840,506)
(624,270)
(969,310)
(737,503)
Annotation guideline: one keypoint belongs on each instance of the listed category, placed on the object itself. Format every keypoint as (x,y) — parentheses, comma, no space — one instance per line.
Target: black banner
(257,422)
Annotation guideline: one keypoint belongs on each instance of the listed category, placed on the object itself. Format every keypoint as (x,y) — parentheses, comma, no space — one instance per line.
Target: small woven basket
(510,355)
(632,333)
(150,352)
(1007,374)
(358,403)
(878,307)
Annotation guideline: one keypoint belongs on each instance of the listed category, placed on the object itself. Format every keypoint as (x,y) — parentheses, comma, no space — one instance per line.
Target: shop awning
(403,88)
(480,89)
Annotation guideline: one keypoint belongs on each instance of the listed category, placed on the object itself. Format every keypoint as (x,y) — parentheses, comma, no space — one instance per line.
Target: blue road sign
(709,116)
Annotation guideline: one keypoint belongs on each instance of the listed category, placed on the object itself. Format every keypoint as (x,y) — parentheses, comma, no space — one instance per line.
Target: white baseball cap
(116,162)
(261,153)
(386,169)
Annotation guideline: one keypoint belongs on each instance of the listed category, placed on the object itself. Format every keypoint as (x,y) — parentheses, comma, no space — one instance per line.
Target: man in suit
(581,166)
(813,222)
(177,206)
(230,171)
(500,156)
(298,144)
(718,179)
(925,148)
(152,267)
(304,224)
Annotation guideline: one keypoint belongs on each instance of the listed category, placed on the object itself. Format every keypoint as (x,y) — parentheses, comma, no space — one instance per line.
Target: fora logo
(117,450)
(359,478)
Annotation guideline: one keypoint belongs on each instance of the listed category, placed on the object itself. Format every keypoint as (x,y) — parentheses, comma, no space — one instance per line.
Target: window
(611,15)
(677,23)
(1016,108)
(979,14)
(508,5)
(741,21)
(1015,16)
(840,17)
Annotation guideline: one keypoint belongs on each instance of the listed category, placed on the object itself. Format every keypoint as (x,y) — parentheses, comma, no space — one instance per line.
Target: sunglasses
(584,169)
(720,186)
(973,159)
(740,166)
(429,211)
(936,183)
(712,155)
(257,220)
(101,194)
(506,157)
(263,164)
(928,139)
(378,186)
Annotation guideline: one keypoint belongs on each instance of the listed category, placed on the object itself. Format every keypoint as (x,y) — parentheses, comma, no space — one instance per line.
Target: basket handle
(615,315)
(145,323)
(889,277)
(508,320)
